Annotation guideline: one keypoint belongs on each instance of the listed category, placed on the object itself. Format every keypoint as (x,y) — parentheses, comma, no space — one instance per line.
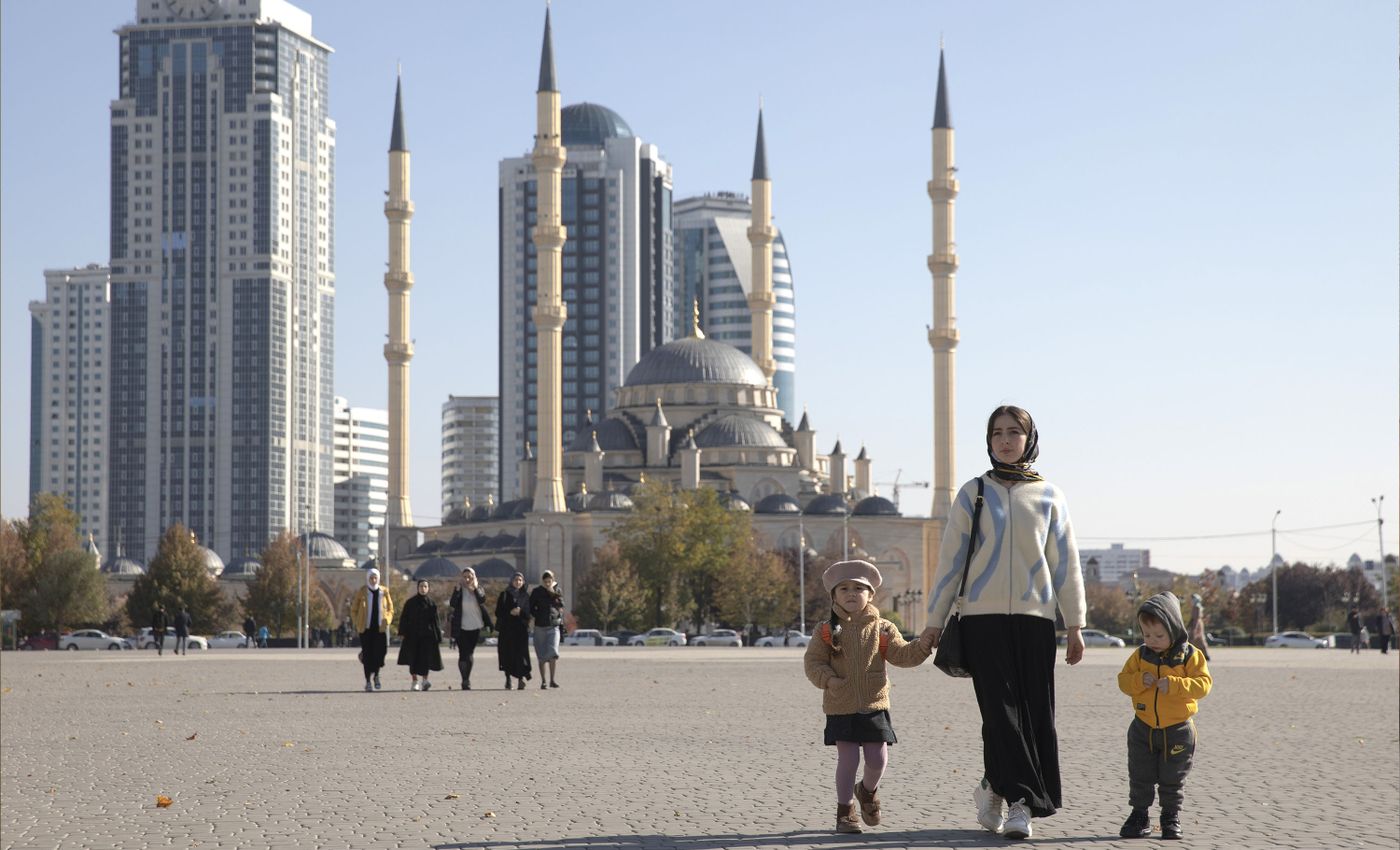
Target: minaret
(943,334)
(549,312)
(398,351)
(761,233)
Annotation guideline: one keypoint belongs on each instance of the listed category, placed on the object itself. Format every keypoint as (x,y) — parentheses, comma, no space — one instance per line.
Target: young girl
(846,659)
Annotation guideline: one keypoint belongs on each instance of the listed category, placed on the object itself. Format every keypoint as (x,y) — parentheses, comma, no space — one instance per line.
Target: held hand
(1148,680)
(515,612)
(1162,684)
(1074,647)
(834,682)
(930,637)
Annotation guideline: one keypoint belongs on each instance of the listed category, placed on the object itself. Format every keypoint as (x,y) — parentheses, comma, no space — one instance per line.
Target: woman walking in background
(372,610)
(421,632)
(547,610)
(512,628)
(1196,629)
(469,617)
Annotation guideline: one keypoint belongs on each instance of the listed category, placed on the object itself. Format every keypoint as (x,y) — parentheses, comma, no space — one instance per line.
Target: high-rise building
(223,275)
(70,340)
(1115,562)
(617,273)
(471,450)
(361,477)
(714,265)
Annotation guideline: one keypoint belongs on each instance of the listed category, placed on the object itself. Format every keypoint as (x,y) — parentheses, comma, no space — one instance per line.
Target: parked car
(92,639)
(658,637)
(624,636)
(229,639)
(794,638)
(1295,639)
(144,640)
(1095,637)
(39,642)
(589,637)
(718,637)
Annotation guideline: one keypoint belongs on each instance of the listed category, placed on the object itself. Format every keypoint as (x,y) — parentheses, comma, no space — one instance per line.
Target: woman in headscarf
(421,634)
(513,632)
(372,610)
(469,617)
(1196,629)
(1024,566)
(547,610)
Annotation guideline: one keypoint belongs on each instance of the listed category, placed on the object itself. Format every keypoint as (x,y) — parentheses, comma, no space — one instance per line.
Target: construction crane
(896,484)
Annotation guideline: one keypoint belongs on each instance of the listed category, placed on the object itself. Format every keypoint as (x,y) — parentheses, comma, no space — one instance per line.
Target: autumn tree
(609,594)
(67,591)
(758,589)
(272,595)
(1109,608)
(178,578)
(14,565)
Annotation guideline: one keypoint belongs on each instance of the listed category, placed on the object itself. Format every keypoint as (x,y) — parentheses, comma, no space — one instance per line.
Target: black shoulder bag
(950,656)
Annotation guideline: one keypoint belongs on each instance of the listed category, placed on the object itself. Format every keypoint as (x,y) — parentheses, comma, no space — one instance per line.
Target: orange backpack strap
(824,631)
(884,641)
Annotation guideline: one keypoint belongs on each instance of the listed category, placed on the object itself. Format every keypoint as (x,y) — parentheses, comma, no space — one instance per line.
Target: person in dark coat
(158,624)
(421,634)
(469,617)
(250,628)
(1385,629)
(183,622)
(1354,626)
(513,628)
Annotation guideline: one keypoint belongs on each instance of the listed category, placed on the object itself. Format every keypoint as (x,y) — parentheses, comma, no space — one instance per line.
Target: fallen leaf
(489,815)
(453,797)
(289,743)
(7,690)
(163,802)
(160,722)
(192,737)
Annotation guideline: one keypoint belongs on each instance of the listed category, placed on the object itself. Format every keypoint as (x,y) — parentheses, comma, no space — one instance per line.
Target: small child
(1165,676)
(846,659)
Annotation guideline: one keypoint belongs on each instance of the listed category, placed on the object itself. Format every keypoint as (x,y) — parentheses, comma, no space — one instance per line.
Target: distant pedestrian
(1164,677)
(159,621)
(183,623)
(263,635)
(847,659)
(372,611)
(547,611)
(1196,629)
(469,617)
(1354,626)
(1385,630)
(513,632)
(421,634)
(343,633)
(249,630)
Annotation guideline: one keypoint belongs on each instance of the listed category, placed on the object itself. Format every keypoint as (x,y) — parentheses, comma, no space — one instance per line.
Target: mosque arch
(764,487)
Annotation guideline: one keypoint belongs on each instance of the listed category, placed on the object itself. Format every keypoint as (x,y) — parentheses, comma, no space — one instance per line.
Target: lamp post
(1380,540)
(846,534)
(1273,566)
(801,576)
(1258,599)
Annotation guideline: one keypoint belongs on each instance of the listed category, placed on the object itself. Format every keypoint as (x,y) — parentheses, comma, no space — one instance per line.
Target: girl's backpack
(824,632)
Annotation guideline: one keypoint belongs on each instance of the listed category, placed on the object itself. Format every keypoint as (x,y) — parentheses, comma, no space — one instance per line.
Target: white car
(1295,639)
(589,637)
(658,637)
(1094,637)
(229,639)
(718,637)
(145,641)
(794,638)
(92,639)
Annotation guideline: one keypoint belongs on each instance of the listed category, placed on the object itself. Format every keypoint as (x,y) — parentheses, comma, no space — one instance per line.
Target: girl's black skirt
(872,727)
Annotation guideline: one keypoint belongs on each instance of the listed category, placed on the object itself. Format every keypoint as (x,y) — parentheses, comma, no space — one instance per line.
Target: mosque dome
(591,124)
(370,563)
(829,503)
(734,502)
(695,360)
(431,546)
(242,568)
(124,566)
(321,545)
(875,506)
(613,436)
(212,562)
(737,430)
(436,568)
(457,515)
(515,508)
(480,513)
(577,502)
(610,501)
(778,503)
(494,568)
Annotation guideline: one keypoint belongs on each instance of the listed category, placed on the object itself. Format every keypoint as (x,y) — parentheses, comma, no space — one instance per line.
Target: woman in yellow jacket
(371,612)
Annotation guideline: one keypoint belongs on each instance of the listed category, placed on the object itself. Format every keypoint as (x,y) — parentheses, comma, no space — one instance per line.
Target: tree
(648,539)
(177,578)
(609,594)
(271,598)
(15,575)
(1109,608)
(51,527)
(67,591)
(758,589)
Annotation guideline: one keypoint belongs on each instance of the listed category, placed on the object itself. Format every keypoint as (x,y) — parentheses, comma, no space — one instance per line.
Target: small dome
(480,513)
(734,502)
(695,361)
(369,563)
(494,568)
(591,124)
(778,503)
(242,568)
(124,566)
(321,545)
(577,502)
(436,568)
(212,562)
(875,506)
(430,546)
(513,509)
(502,541)
(456,516)
(830,503)
(737,430)
(477,543)
(610,501)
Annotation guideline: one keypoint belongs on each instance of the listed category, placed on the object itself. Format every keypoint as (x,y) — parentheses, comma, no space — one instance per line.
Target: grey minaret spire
(547,57)
(761,234)
(398,140)
(942,120)
(398,351)
(760,153)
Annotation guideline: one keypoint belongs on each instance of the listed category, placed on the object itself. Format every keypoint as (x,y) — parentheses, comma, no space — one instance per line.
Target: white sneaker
(427,684)
(989,807)
(416,686)
(1018,821)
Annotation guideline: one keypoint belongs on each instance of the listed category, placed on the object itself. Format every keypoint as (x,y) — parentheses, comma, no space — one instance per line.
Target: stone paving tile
(689,748)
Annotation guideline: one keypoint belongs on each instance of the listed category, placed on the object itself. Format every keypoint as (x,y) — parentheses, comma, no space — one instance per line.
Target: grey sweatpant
(1159,759)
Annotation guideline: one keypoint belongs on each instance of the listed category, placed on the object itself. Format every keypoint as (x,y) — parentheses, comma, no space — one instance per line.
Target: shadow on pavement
(952,838)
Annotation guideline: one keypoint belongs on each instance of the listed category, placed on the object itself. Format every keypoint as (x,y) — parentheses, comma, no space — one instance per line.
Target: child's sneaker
(846,820)
(1171,825)
(869,804)
(1018,821)
(1138,825)
(988,806)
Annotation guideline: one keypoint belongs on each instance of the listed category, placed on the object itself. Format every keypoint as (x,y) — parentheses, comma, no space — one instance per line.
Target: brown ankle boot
(846,820)
(869,804)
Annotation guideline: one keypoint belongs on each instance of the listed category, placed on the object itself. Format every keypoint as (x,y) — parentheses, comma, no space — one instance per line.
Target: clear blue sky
(1177,228)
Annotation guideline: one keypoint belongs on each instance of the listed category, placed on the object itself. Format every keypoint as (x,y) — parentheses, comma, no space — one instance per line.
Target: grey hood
(1165,607)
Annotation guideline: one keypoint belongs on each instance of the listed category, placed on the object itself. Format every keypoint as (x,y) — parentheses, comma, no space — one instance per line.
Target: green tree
(15,574)
(67,592)
(1110,609)
(609,595)
(271,595)
(649,540)
(50,528)
(176,578)
(759,589)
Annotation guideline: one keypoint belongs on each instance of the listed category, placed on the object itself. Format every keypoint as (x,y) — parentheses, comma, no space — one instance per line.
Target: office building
(361,452)
(1115,562)
(471,450)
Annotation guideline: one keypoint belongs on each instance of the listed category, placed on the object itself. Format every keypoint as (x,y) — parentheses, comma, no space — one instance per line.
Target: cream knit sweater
(856,659)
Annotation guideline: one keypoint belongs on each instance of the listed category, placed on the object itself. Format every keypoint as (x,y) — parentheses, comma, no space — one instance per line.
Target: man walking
(158,624)
(1385,628)
(249,628)
(183,621)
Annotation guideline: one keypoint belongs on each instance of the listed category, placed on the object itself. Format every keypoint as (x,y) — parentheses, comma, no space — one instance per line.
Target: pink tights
(848,758)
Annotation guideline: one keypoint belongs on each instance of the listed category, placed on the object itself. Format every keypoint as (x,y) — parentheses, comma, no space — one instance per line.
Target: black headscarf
(1020,470)
(519,598)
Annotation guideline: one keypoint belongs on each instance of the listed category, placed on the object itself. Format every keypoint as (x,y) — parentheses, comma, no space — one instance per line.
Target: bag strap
(971,545)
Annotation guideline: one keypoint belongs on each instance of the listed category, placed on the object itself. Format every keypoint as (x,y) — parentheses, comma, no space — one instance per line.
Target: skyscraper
(70,338)
(714,263)
(617,272)
(361,477)
(471,450)
(223,275)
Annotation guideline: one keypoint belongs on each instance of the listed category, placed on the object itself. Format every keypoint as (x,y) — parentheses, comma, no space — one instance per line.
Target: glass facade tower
(223,276)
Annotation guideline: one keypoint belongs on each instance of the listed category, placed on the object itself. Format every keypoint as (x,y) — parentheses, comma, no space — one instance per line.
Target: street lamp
(1273,566)
(1380,539)
(1259,599)
(801,577)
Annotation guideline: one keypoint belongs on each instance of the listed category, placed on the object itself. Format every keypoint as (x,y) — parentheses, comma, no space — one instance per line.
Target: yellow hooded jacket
(359,609)
(1182,665)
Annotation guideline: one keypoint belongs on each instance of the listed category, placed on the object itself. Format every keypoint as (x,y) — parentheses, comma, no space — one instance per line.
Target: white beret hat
(861,571)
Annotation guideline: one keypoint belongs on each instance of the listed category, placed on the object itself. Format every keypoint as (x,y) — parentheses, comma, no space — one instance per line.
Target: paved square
(692,748)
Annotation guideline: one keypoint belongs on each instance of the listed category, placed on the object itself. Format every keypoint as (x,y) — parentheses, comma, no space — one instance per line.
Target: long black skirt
(1012,657)
(513,648)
